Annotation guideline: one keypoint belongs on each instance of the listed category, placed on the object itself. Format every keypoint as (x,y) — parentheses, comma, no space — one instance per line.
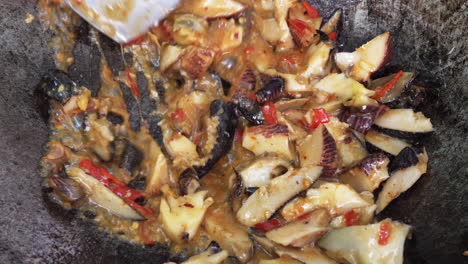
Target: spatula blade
(123,20)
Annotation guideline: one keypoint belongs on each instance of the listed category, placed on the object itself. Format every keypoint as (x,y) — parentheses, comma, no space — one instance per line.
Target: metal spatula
(123,20)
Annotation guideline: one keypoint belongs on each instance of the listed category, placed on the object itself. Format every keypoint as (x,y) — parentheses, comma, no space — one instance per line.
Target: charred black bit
(188,181)
(161,89)
(251,111)
(372,149)
(323,35)
(418,148)
(138,184)
(272,91)
(155,130)
(87,60)
(58,86)
(128,58)
(115,119)
(225,129)
(250,190)
(112,53)
(214,247)
(141,201)
(147,104)
(132,107)
(411,137)
(89,214)
(411,97)
(131,158)
(226,86)
(180,82)
(235,109)
(405,159)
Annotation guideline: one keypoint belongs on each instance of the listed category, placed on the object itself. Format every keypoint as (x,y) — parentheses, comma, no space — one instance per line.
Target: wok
(430,38)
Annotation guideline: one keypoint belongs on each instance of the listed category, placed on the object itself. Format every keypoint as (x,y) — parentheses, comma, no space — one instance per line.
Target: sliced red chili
(331,97)
(239,133)
(320,117)
(385,231)
(351,218)
(178,115)
(299,25)
(268,225)
(100,173)
(304,123)
(304,217)
(312,12)
(131,82)
(189,205)
(128,194)
(289,60)
(381,91)
(135,41)
(248,50)
(269,112)
(166,30)
(332,36)
(252,96)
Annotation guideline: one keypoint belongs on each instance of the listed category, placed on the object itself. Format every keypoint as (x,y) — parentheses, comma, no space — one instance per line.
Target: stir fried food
(236,131)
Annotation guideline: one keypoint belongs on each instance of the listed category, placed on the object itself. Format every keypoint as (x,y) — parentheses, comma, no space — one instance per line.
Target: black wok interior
(429,38)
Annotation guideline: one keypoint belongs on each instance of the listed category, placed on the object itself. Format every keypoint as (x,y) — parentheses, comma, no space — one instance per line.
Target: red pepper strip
(269,112)
(252,96)
(178,115)
(320,117)
(381,91)
(248,50)
(331,97)
(268,225)
(100,173)
(304,123)
(129,195)
(332,36)
(239,133)
(298,25)
(304,217)
(135,41)
(384,232)
(311,11)
(131,82)
(351,218)
(289,59)
(166,30)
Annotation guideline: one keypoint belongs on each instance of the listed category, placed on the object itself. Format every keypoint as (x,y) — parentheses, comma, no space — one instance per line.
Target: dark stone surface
(429,38)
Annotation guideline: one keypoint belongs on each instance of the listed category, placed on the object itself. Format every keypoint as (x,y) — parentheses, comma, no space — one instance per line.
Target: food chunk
(307,229)
(267,199)
(367,244)
(335,197)
(181,216)
(268,139)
